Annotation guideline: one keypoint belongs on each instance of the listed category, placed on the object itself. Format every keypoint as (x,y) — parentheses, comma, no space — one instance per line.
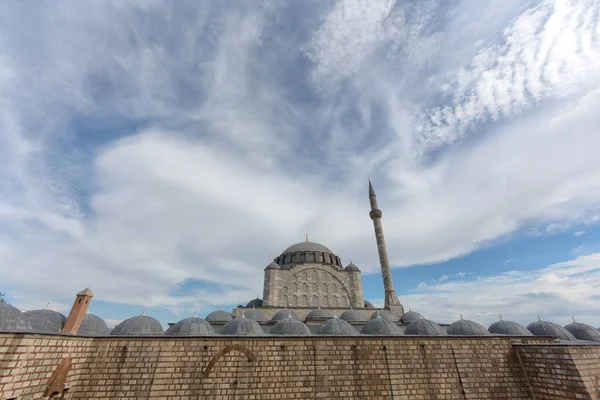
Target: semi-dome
(467,328)
(337,327)
(383,314)
(368,304)
(242,326)
(254,303)
(218,316)
(547,328)
(351,267)
(409,317)
(12,320)
(279,315)
(352,316)
(290,326)
(503,327)
(380,326)
(583,331)
(45,320)
(192,326)
(318,314)
(307,252)
(424,327)
(92,325)
(141,325)
(255,315)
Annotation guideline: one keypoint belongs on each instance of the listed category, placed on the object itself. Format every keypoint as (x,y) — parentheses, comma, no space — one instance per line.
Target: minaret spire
(391,299)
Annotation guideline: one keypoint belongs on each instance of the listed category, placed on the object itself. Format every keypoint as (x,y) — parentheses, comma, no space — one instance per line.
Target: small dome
(290,326)
(12,320)
(242,326)
(318,314)
(409,317)
(583,331)
(92,325)
(424,327)
(192,326)
(141,325)
(503,327)
(351,267)
(337,327)
(273,265)
(254,303)
(218,316)
(279,315)
(368,304)
(47,321)
(547,328)
(380,326)
(255,315)
(383,314)
(464,327)
(353,315)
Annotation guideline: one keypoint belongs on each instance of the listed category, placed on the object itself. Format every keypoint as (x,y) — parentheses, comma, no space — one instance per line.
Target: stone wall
(36,366)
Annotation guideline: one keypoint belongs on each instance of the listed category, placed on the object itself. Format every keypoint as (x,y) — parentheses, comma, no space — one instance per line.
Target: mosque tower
(391,299)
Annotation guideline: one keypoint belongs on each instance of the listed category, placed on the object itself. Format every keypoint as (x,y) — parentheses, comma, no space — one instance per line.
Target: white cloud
(579,233)
(444,278)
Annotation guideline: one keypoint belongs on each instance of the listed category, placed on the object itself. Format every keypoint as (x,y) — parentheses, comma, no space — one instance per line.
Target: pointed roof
(86,292)
(371,191)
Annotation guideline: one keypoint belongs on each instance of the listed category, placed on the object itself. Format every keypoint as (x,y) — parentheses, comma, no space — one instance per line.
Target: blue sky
(163,153)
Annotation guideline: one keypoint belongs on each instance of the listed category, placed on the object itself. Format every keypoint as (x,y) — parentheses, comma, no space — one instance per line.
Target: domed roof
(466,327)
(11,319)
(306,246)
(380,326)
(368,304)
(351,267)
(45,320)
(255,315)
(318,314)
(338,327)
(141,325)
(273,265)
(242,326)
(192,326)
(385,314)
(92,325)
(353,315)
(424,327)
(547,328)
(279,315)
(290,326)
(254,303)
(410,316)
(583,331)
(218,316)
(503,327)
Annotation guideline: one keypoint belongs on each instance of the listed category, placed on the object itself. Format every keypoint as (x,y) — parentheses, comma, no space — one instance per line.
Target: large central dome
(306,246)
(307,252)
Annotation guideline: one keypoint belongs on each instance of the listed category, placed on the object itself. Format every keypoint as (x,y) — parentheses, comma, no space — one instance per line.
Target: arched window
(304,288)
(304,301)
(324,288)
(315,275)
(294,287)
(285,291)
(324,301)
(333,301)
(294,301)
(315,288)
(315,301)
(286,301)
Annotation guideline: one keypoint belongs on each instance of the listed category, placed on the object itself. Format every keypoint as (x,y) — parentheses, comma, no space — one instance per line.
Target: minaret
(391,300)
(80,306)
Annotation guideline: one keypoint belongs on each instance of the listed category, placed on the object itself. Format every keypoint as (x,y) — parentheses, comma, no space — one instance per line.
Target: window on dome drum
(318,256)
(310,257)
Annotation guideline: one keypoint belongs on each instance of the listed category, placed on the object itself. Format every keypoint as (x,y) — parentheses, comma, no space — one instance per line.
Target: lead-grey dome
(255,315)
(279,315)
(242,326)
(503,327)
(92,325)
(467,328)
(254,303)
(290,326)
(368,304)
(383,314)
(141,325)
(351,267)
(12,320)
(47,321)
(273,265)
(380,326)
(353,315)
(306,246)
(424,327)
(583,331)
(218,316)
(192,326)
(307,252)
(547,328)
(409,317)
(318,314)
(337,327)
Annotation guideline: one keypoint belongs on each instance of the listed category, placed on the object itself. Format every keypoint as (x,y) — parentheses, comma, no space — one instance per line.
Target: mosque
(308,293)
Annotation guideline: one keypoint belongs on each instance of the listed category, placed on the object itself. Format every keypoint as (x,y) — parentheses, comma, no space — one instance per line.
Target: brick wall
(283,368)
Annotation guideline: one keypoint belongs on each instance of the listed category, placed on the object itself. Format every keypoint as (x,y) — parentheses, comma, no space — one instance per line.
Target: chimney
(80,306)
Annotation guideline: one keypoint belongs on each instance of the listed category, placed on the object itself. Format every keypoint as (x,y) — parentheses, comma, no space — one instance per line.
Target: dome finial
(539,319)
(47,305)
(144,312)
(307,237)
(461,316)
(195,314)
(573,319)
(500,315)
